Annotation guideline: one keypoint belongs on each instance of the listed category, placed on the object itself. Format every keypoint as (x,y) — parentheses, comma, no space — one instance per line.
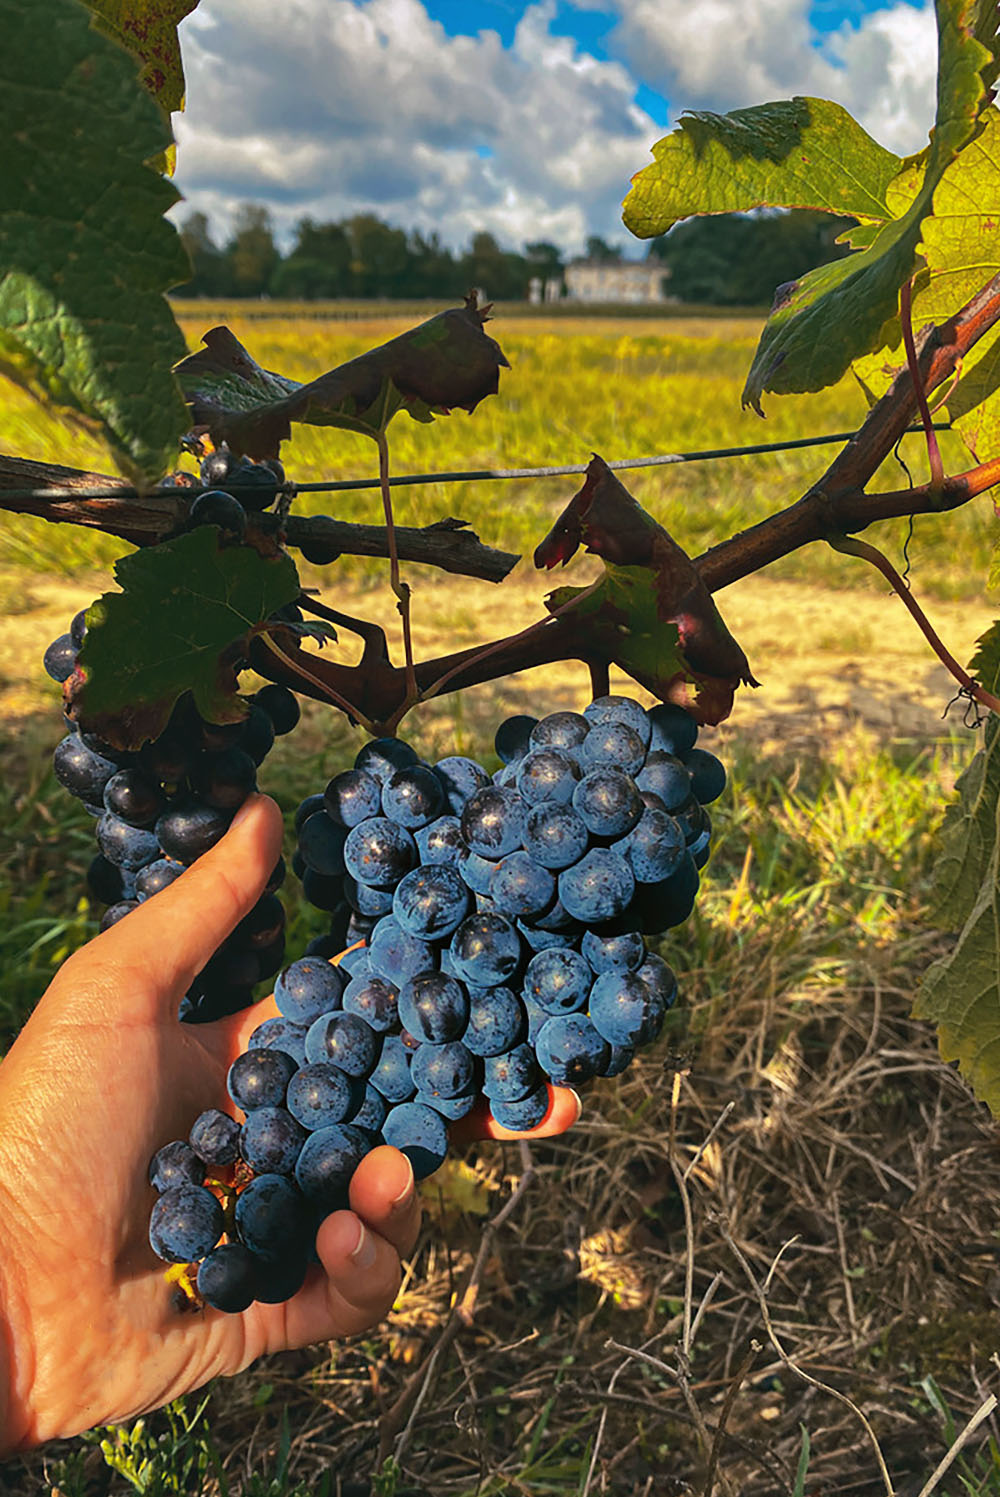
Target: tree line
(729,260)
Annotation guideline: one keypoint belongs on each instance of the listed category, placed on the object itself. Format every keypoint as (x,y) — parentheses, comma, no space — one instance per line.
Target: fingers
(384,1194)
(564,1110)
(357,1288)
(167,939)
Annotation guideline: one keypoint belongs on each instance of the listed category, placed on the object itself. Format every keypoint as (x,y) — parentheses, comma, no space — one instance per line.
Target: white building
(616,281)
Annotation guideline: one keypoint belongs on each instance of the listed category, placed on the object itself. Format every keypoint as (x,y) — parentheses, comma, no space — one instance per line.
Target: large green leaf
(798,153)
(445,362)
(181,623)
(651,613)
(85,253)
(838,312)
(961,992)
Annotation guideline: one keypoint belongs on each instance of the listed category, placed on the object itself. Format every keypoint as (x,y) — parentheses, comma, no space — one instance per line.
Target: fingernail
(405,1195)
(363,1255)
(579,1105)
(244,811)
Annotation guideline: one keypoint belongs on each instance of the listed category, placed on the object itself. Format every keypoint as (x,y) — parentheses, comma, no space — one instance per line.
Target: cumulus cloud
(332,107)
(725,54)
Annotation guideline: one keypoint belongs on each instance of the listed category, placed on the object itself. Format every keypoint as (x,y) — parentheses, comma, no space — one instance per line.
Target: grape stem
(400,588)
(906,320)
(851,546)
(322,689)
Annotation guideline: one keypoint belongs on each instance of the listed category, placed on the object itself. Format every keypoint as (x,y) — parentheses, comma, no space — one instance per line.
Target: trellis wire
(473,475)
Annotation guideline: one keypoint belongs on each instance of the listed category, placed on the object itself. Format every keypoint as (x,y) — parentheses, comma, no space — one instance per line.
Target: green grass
(616,386)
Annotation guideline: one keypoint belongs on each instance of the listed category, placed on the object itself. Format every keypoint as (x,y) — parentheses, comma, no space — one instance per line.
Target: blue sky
(527,120)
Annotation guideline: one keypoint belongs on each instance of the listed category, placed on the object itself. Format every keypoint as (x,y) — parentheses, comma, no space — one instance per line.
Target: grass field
(623,388)
(792,1097)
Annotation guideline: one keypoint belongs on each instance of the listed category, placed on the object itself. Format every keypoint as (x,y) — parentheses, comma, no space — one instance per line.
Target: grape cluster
(235,485)
(503,923)
(159,809)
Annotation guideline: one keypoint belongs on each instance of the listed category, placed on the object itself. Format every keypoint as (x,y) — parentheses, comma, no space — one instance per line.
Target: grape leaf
(180,623)
(838,312)
(961,992)
(796,153)
(651,613)
(148,29)
(85,253)
(447,361)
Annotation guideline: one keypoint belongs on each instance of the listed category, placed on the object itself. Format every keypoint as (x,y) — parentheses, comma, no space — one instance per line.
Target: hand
(101,1076)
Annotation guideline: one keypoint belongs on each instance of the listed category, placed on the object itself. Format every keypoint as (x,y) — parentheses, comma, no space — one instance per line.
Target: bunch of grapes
(500,927)
(158,810)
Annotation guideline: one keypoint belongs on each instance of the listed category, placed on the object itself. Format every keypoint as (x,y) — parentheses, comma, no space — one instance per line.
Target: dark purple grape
(413,797)
(434,1008)
(59,659)
(513,738)
(281,706)
(612,709)
(216,507)
(379,851)
(492,821)
(352,797)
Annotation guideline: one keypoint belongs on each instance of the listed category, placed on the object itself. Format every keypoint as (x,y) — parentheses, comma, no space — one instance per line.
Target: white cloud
(725,54)
(331,107)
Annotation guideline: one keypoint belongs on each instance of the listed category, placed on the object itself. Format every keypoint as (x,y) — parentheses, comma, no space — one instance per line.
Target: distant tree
(251,253)
(599,251)
(544,259)
(737,259)
(318,265)
(433,268)
(380,257)
(502,274)
(208,268)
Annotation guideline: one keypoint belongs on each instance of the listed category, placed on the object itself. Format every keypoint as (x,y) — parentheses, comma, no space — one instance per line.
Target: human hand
(102,1075)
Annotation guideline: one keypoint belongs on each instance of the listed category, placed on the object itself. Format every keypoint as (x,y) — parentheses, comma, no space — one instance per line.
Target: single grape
(271,1139)
(613,744)
(256,736)
(156,876)
(555,835)
(346,1041)
(446,1070)
(654,849)
(451,1108)
(431,902)
(520,887)
(321,843)
(373,1110)
(459,779)
(353,796)
(440,841)
(708,775)
(78,627)
(216,507)
(214,1137)
(492,821)
(434,1008)
(185,1224)
(225,780)
(227,1278)
(391,1077)
(281,1034)
(523,1114)
(497,1021)
(559,980)
(560,730)
(379,851)
(117,912)
(607,802)
(547,775)
(133,797)
(366,899)
(321,1094)
(621,1007)
(614,953)
(189,828)
(511,1076)
(175,1164)
(512,738)
(398,956)
(126,846)
(308,988)
(373,999)
(673,731)
(328,1159)
(420,1133)
(381,757)
(105,882)
(612,709)
(486,949)
(667,777)
(598,888)
(80,770)
(281,706)
(59,659)
(412,797)
(272,1218)
(259,1078)
(570,1050)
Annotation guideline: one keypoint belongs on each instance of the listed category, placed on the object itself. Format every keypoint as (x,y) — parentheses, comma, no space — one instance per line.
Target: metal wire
(473,475)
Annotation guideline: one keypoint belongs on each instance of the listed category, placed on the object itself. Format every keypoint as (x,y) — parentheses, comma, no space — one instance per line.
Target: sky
(526,120)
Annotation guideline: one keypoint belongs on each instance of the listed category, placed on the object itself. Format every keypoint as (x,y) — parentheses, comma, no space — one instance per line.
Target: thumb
(152,955)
